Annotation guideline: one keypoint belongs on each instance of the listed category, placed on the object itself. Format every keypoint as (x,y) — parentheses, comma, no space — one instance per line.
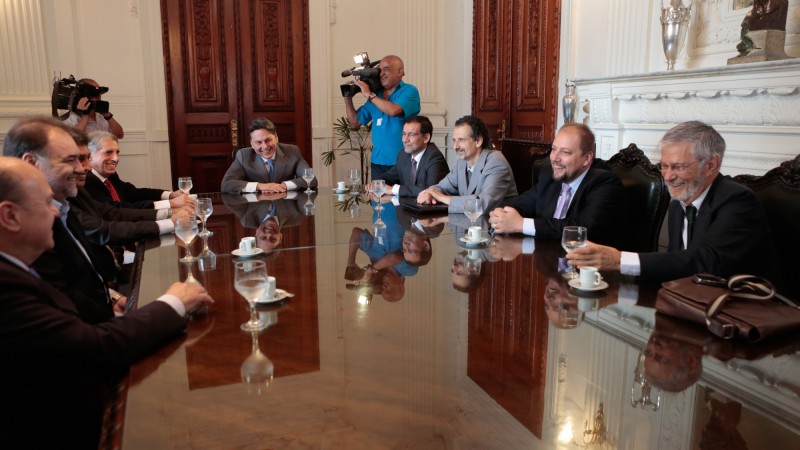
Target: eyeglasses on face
(677,167)
(411,135)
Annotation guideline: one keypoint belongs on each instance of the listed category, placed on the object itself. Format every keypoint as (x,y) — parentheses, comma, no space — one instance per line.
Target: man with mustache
(386,109)
(569,192)
(715,224)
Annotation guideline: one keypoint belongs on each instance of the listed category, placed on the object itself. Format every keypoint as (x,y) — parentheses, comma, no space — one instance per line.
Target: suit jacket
(430,170)
(57,368)
(731,236)
(491,180)
(598,204)
(130,195)
(248,167)
(106,224)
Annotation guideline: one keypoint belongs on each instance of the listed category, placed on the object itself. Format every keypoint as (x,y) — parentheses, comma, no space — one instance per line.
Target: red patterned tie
(112,191)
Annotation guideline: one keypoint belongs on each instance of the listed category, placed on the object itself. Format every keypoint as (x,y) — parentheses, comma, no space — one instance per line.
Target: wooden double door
(228,62)
(515,67)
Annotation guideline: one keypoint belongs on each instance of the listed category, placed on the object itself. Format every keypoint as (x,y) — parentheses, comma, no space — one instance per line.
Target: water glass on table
(571,238)
(250,280)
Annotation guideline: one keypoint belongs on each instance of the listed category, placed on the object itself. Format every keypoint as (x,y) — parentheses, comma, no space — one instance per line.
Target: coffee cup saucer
(468,241)
(576,283)
(243,254)
(340,191)
(280,294)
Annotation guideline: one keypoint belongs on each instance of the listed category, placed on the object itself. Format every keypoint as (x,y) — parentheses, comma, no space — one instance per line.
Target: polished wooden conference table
(479,347)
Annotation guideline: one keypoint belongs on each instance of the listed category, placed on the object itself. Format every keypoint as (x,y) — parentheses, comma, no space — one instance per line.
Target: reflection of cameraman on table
(91,113)
(386,109)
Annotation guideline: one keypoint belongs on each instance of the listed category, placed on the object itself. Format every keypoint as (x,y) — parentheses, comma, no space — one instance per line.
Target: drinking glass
(473,209)
(250,280)
(308,177)
(355,176)
(186,230)
(185,184)
(206,259)
(379,188)
(572,238)
(257,369)
(204,209)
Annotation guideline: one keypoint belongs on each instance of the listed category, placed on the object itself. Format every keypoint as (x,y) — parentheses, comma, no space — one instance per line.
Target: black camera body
(67,92)
(363,71)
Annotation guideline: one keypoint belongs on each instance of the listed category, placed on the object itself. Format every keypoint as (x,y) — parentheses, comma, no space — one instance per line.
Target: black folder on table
(410,204)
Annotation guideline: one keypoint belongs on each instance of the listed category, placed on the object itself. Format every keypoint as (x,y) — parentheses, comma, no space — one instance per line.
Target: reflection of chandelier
(595,436)
(643,385)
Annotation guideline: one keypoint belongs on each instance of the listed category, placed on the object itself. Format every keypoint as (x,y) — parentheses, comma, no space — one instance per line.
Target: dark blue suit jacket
(731,236)
(598,204)
(430,170)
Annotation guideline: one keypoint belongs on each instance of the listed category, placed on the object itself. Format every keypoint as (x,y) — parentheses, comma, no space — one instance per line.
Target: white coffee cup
(340,186)
(269,292)
(587,304)
(247,244)
(340,197)
(474,234)
(590,277)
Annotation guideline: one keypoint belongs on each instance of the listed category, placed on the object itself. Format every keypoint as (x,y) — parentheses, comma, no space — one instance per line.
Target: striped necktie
(413,171)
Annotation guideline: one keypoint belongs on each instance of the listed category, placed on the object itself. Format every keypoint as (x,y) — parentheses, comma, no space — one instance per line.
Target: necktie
(691,213)
(563,202)
(112,191)
(270,169)
(469,175)
(413,171)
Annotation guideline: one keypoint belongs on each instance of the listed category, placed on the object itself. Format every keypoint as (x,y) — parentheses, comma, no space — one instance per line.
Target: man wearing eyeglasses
(420,165)
(715,224)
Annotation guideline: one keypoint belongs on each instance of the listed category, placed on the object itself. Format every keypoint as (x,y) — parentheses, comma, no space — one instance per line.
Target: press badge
(379,121)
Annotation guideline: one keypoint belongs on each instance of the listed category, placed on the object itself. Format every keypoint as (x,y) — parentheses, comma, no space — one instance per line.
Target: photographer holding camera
(387,109)
(91,113)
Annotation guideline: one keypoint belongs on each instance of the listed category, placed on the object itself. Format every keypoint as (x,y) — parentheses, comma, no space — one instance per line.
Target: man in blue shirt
(386,109)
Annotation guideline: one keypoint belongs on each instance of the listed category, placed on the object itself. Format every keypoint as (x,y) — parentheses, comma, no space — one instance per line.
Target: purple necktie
(563,202)
(413,171)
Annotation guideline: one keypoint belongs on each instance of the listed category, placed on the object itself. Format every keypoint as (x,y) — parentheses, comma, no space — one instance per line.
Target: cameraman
(85,119)
(387,109)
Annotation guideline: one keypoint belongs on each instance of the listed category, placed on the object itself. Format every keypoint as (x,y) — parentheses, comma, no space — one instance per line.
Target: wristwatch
(371,96)
(108,116)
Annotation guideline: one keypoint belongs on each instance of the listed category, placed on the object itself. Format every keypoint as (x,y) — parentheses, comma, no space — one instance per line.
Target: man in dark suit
(104,223)
(480,172)
(44,338)
(266,166)
(569,192)
(420,165)
(715,224)
(104,184)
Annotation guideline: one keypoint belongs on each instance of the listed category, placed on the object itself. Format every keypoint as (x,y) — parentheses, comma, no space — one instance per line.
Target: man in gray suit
(420,165)
(479,173)
(266,166)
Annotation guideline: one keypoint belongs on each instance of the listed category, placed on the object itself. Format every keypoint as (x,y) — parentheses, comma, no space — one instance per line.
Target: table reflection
(516,359)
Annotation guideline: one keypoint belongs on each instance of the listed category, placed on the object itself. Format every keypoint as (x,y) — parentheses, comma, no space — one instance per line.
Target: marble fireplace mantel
(755,106)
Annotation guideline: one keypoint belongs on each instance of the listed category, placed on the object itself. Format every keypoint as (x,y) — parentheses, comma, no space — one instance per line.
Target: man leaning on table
(58,370)
(267,165)
(715,224)
(480,172)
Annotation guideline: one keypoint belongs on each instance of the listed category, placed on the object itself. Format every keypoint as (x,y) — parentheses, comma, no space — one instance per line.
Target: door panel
(226,63)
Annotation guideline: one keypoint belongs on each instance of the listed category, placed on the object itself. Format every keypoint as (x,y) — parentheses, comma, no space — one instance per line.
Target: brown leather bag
(744,307)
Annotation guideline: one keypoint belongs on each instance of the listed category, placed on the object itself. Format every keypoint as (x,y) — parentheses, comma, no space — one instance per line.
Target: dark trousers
(378,170)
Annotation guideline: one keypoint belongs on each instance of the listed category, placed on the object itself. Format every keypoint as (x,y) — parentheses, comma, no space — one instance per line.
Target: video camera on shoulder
(363,71)
(67,92)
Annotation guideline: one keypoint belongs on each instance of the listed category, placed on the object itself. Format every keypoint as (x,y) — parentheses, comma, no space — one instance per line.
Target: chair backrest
(779,193)
(521,154)
(647,194)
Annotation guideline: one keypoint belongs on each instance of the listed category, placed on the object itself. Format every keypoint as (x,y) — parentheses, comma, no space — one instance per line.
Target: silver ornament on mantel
(674,24)
(569,102)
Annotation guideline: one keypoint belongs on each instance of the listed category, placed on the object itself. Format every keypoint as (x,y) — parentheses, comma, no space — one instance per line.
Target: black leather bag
(743,307)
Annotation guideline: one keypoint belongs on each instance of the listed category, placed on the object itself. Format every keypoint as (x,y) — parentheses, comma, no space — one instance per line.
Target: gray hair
(707,141)
(96,139)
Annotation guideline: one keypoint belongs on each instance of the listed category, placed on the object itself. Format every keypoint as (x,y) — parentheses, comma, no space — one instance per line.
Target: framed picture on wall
(741,4)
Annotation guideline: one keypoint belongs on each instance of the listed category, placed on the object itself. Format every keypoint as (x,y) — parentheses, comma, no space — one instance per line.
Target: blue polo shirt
(387,130)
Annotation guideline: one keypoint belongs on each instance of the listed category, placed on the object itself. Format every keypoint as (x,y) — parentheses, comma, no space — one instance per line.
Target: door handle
(502,130)
(234,136)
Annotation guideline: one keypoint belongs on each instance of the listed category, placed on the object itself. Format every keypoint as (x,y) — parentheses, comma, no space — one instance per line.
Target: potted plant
(359,145)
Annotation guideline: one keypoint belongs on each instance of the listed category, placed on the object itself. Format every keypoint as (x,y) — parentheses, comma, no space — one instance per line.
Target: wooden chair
(521,155)
(647,194)
(779,193)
